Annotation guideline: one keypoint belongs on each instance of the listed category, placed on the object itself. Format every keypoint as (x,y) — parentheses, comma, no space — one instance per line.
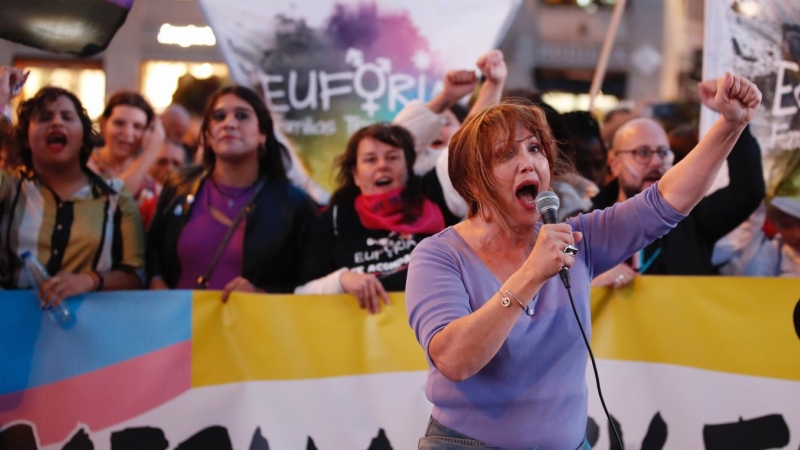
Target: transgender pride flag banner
(686,363)
(82,27)
(157,370)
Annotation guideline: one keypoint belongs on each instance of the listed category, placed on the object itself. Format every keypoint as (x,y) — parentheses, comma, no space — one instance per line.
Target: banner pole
(605,54)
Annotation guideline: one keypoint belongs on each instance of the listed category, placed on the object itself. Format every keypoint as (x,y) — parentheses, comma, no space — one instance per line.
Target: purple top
(533,392)
(203,234)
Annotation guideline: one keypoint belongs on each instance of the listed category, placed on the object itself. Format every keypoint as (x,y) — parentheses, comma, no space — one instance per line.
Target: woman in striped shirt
(87,232)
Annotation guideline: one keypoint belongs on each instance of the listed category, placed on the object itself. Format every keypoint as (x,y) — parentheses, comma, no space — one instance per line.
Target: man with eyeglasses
(639,157)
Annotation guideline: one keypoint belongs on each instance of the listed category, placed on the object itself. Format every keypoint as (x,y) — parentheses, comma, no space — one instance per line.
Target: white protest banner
(760,40)
(330,67)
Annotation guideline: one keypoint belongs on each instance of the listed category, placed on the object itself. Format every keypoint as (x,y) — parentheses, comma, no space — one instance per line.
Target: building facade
(553,45)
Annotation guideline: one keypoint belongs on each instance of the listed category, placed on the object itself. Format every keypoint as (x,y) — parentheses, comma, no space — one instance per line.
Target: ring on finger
(620,278)
(570,250)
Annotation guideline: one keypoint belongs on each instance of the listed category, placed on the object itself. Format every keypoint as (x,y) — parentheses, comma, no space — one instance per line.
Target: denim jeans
(439,437)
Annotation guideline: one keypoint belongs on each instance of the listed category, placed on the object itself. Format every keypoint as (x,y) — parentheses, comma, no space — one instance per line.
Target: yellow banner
(734,325)
(285,337)
(726,324)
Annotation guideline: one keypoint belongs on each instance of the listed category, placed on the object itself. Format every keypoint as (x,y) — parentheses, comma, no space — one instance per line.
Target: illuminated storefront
(160,79)
(85,78)
(163,44)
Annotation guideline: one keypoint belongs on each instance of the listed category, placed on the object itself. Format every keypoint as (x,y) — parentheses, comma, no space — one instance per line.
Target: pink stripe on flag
(104,397)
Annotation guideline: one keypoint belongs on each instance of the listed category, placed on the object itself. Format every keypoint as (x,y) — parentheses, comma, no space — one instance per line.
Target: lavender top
(533,392)
(202,235)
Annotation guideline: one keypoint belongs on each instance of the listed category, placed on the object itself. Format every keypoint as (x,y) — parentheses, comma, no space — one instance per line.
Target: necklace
(218,215)
(225,218)
(229,197)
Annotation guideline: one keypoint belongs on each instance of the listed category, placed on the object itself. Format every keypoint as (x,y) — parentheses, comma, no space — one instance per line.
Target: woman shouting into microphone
(507,360)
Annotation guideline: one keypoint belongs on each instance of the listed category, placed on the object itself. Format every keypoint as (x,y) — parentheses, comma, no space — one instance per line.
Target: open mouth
(56,140)
(383,182)
(437,144)
(527,193)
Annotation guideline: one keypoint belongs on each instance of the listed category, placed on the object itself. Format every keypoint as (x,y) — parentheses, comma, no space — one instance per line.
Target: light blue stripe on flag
(110,327)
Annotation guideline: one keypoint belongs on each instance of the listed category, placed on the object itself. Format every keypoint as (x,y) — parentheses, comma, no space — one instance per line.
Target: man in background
(640,154)
(171,158)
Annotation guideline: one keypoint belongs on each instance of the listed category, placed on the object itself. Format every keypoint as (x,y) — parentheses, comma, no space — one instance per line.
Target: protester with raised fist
(641,156)
(433,124)
(507,362)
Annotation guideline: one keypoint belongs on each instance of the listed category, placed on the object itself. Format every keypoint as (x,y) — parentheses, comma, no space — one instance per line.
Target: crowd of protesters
(135,207)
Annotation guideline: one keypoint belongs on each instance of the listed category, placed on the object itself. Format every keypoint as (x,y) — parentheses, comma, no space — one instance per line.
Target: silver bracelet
(505,301)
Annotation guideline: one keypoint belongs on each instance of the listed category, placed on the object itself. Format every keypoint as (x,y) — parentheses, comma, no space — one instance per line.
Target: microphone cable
(565,279)
(547,204)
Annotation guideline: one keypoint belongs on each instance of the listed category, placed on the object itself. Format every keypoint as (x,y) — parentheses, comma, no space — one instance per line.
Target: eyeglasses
(644,154)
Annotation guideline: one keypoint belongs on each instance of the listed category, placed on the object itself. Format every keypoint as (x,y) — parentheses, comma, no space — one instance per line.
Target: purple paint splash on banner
(382,34)
(127,4)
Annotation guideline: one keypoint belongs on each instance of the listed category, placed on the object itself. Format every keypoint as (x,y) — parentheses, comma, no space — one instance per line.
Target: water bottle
(37,274)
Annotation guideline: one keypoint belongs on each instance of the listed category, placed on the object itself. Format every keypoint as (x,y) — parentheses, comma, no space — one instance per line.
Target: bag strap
(202,282)
(335,221)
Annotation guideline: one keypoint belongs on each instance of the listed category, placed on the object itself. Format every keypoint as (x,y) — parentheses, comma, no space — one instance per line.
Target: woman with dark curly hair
(85,231)
(361,245)
(234,223)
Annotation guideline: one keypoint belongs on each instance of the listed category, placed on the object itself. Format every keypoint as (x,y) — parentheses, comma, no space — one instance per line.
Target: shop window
(567,101)
(567,89)
(86,79)
(160,79)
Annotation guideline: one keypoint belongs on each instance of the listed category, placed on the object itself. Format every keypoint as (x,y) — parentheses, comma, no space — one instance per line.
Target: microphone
(547,203)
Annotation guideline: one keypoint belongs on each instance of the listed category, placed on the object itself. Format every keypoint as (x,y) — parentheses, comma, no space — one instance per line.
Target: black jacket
(686,250)
(275,231)
(338,239)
